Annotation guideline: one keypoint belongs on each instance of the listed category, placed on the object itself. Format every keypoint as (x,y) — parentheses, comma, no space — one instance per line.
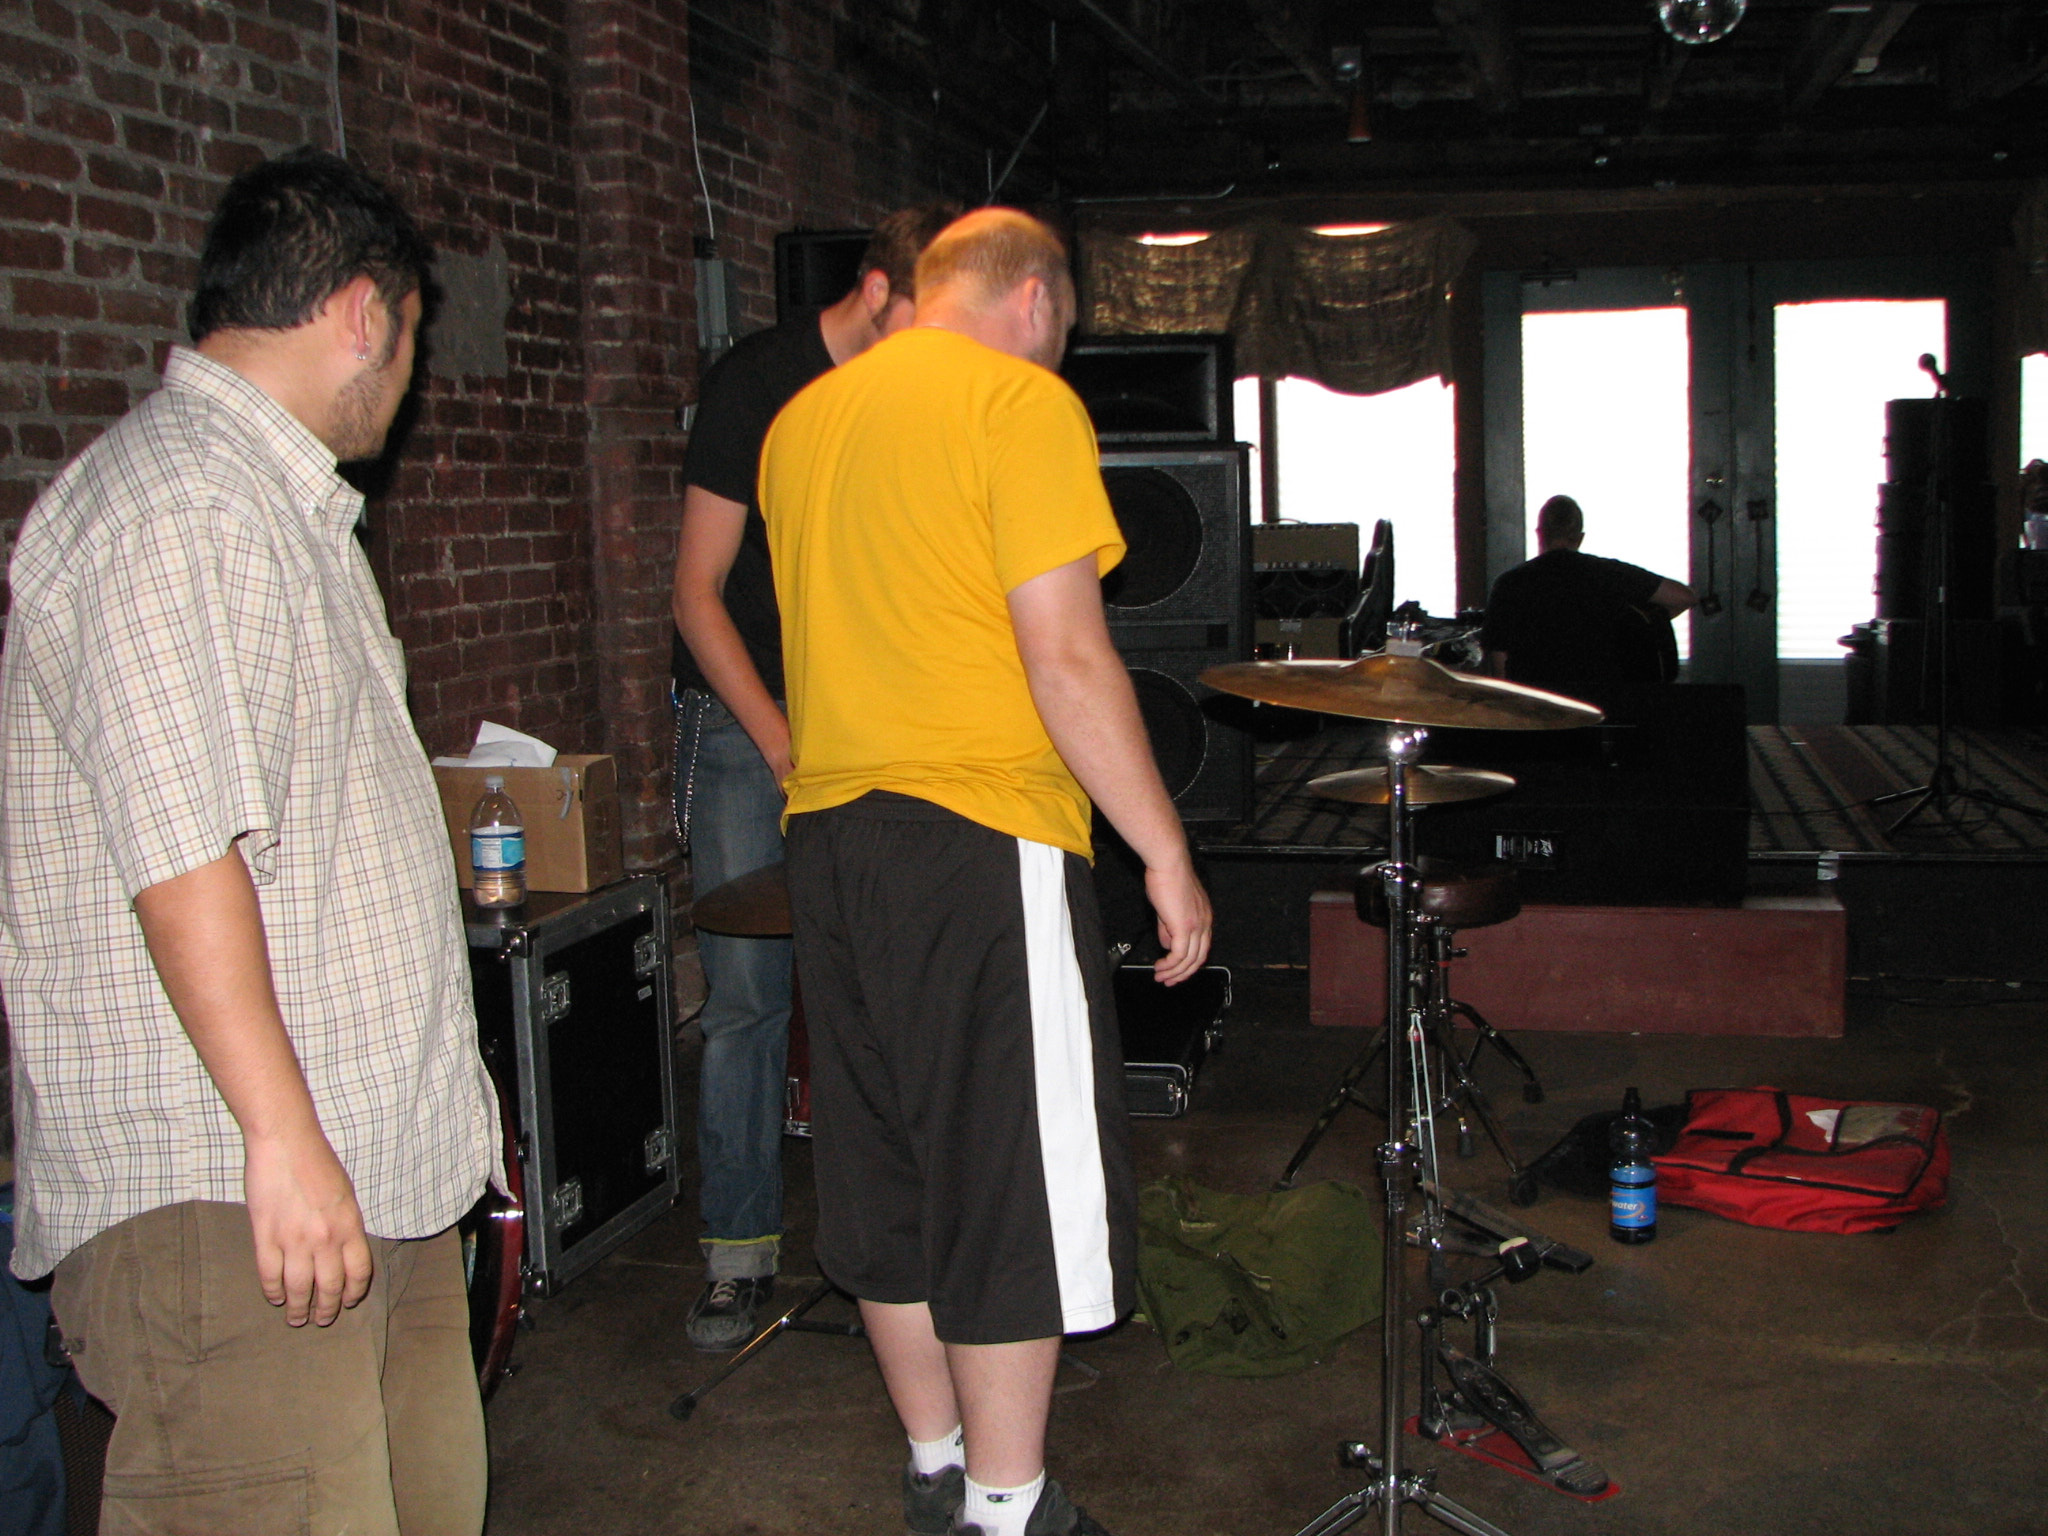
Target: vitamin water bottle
(1634,1176)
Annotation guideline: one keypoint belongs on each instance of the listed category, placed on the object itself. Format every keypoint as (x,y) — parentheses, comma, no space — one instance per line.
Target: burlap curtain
(1357,313)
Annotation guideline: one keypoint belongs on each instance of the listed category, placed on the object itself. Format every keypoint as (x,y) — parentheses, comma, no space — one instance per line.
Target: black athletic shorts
(970,1133)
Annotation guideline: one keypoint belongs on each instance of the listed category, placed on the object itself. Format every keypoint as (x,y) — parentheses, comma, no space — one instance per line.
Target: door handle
(1710,513)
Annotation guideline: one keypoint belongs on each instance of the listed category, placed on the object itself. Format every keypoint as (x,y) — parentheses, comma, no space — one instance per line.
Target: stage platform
(1959,891)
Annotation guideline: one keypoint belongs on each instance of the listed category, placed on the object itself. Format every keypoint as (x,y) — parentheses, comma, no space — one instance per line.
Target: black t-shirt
(1565,621)
(739,400)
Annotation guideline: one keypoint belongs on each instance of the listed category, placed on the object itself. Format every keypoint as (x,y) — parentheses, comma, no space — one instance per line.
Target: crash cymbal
(1406,690)
(1428,784)
(755,906)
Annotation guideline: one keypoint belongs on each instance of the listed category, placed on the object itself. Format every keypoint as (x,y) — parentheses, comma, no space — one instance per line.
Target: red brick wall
(523,526)
(120,121)
(634,191)
(480,529)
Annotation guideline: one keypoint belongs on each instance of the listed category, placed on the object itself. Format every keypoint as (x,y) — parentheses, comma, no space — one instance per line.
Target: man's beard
(356,432)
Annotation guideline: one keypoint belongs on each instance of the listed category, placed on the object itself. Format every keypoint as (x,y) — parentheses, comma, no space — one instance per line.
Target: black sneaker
(931,1500)
(723,1316)
(1054,1515)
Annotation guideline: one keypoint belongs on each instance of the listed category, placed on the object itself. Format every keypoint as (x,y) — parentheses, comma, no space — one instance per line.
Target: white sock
(1001,1511)
(933,1456)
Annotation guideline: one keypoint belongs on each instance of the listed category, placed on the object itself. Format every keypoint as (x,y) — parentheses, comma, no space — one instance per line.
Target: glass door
(1788,361)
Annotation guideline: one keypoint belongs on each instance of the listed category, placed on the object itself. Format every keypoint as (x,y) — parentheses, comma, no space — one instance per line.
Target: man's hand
(706,547)
(204,930)
(312,1255)
(1185,923)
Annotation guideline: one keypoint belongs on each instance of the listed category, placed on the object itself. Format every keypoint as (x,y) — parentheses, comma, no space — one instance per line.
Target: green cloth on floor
(1256,1285)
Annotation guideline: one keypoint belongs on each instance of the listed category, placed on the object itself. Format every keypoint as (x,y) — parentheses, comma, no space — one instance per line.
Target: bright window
(1837,364)
(1606,420)
(2033,408)
(1359,458)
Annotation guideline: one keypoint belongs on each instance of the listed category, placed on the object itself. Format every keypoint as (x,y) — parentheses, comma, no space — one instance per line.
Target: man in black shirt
(1576,623)
(732,754)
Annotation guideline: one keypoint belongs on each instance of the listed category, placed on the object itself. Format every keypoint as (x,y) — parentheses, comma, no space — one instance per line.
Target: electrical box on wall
(717,300)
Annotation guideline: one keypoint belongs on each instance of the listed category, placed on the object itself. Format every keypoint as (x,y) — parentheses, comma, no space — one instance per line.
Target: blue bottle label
(494,852)
(1634,1202)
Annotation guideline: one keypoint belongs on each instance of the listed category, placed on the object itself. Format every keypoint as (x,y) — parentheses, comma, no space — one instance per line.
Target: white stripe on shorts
(1063,1060)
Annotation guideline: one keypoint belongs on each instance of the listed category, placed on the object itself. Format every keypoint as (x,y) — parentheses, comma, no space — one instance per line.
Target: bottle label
(498,851)
(1634,1202)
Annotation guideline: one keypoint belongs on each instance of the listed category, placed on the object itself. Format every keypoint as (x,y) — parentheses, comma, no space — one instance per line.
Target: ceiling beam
(1983,66)
(1295,29)
(1485,34)
(1097,17)
(1841,41)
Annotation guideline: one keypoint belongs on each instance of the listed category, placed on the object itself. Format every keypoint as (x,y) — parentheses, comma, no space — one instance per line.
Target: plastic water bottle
(1634,1176)
(497,847)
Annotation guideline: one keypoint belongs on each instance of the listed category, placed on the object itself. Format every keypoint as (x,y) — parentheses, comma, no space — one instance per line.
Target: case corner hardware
(659,1149)
(565,1205)
(554,998)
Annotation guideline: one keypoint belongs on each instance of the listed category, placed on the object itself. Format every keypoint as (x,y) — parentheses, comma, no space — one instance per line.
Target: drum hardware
(1428,784)
(754,906)
(790,1320)
(1474,1398)
(1447,898)
(1402,687)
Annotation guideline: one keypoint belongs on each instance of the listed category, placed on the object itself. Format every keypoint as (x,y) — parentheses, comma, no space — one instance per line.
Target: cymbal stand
(1398,1157)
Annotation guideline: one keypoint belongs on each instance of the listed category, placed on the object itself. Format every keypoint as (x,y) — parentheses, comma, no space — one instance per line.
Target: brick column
(630,105)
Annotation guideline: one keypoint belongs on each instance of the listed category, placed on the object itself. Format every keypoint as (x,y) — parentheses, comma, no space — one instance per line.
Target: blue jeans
(734,822)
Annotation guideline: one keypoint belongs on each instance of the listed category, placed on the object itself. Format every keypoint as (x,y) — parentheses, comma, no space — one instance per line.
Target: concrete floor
(1730,1380)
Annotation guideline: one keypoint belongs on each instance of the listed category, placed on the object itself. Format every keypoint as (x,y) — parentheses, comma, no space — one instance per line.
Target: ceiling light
(1700,21)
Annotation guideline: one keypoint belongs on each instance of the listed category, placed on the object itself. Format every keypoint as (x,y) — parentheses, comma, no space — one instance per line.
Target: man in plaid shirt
(247,1087)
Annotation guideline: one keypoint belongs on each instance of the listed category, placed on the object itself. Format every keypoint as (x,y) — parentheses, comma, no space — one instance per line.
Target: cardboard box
(572,820)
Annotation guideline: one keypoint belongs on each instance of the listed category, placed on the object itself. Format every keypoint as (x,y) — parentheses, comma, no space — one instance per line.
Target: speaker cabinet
(1180,603)
(1154,389)
(816,267)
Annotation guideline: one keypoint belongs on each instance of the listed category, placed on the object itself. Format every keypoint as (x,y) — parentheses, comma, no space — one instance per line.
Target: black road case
(573,1004)
(1167,1032)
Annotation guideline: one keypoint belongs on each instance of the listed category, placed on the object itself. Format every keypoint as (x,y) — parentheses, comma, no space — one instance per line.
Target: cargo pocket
(261,1498)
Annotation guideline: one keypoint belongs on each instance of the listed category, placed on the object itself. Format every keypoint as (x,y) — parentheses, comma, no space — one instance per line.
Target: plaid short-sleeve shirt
(198,659)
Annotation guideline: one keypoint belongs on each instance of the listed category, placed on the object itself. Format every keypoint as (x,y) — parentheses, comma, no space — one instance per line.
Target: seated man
(1579,624)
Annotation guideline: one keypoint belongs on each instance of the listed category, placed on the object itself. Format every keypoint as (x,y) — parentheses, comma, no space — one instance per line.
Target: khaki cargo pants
(229,1420)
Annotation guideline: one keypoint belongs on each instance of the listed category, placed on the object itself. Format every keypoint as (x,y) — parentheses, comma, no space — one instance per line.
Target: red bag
(1804,1164)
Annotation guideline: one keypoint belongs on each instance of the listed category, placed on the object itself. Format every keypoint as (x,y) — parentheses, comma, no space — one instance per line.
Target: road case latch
(554,998)
(659,1149)
(565,1205)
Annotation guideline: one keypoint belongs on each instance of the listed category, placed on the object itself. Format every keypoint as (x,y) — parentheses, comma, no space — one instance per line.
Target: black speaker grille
(1174,721)
(1162,529)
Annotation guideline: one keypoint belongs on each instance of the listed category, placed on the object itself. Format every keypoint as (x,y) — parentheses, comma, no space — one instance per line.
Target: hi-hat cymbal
(1428,784)
(1406,690)
(755,906)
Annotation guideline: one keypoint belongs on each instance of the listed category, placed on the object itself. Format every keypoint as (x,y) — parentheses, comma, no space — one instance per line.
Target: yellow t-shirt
(906,493)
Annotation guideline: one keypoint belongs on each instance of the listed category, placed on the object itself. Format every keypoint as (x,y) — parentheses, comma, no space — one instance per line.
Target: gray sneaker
(1055,1515)
(722,1318)
(931,1500)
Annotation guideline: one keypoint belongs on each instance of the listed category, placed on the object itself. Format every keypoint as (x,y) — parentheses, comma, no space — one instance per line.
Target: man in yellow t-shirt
(938,529)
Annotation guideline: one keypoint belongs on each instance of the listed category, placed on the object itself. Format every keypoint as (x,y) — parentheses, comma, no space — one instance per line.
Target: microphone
(1929,367)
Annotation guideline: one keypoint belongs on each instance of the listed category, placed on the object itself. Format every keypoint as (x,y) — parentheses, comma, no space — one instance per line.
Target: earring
(362,354)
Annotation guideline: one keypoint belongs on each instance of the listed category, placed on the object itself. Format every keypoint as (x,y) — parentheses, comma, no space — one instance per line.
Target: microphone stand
(1942,787)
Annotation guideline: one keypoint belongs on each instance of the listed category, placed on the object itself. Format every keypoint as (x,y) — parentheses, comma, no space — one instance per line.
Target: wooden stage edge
(1776,965)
